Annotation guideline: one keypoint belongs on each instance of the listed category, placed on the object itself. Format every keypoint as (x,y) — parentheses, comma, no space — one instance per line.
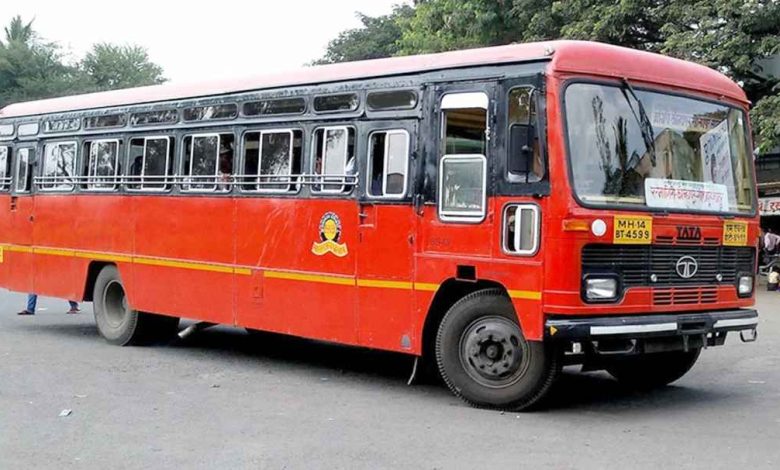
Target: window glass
(334,103)
(61,125)
(150,118)
(465,131)
(210,113)
(522,132)
(5,168)
(334,158)
(150,163)
(108,120)
(208,162)
(277,106)
(462,187)
(389,100)
(28,129)
(6,130)
(388,163)
(59,166)
(102,165)
(23,173)
(272,156)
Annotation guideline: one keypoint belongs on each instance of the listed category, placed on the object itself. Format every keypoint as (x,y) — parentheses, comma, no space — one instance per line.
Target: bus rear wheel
(118,323)
(648,371)
(484,358)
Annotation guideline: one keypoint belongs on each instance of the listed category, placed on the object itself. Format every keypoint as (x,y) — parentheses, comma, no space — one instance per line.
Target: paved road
(223,401)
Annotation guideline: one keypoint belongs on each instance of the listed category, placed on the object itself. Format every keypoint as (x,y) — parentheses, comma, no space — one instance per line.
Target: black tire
(118,323)
(484,358)
(648,371)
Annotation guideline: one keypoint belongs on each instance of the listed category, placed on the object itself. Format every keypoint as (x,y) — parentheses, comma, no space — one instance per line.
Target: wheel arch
(92,273)
(448,293)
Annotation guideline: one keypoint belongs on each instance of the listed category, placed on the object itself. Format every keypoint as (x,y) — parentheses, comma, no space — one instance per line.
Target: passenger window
(465,123)
(391,100)
(272,157)
(208,162)
(525,158)
(336,103)
(462,187)
(334,159)
(388,164)
(5,168)
(150,163)
(463,166)
(23,173)
(101,167)
(59,166)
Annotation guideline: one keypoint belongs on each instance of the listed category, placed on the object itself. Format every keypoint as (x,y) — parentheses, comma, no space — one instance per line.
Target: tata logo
(686,267)
(688,232)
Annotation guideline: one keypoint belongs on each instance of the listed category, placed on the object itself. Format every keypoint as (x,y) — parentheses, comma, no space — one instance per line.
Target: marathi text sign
(769,206)
(716,157)
(689,195)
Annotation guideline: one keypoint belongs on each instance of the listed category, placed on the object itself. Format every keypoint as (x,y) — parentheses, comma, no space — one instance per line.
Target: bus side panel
(385,295)
(183,251)
(17,235)
(55,234)
(298,286)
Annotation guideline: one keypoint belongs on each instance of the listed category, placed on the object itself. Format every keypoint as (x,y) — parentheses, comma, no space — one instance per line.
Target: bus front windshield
(657,150)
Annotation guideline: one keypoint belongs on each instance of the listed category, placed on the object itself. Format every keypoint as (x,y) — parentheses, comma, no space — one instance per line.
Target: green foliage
(110,67)
(727,35)
(31,68)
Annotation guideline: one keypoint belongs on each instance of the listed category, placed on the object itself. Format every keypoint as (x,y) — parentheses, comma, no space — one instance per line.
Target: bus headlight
(601,288)
(745,286)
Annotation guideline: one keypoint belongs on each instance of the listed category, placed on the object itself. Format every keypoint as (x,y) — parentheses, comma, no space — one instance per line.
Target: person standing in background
(32,303)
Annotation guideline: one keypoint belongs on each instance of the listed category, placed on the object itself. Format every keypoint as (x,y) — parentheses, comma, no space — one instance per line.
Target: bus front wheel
(118,323)
(484,358)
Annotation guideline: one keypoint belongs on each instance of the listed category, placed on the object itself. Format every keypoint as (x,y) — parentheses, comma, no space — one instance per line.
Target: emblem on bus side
(330,234)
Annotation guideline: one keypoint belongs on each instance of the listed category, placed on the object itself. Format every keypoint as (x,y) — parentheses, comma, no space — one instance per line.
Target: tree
(110,67)
(731,36)
(378,37)
(31,68)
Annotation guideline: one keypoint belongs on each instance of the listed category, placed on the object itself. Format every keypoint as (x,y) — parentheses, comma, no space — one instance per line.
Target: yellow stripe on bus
(245,271)
(325,279)
(525,294)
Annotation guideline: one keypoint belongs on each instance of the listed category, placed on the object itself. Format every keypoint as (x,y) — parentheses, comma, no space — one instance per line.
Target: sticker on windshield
(716,158)
(632,230)
(689,195)
(735,233)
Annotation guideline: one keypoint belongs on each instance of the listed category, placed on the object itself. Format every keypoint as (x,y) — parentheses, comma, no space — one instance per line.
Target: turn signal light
(575,225)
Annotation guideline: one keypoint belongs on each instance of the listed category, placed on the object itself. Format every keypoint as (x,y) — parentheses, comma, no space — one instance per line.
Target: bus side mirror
(520,148)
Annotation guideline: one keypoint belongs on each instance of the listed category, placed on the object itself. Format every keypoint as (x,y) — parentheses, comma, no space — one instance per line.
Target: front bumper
(651,326)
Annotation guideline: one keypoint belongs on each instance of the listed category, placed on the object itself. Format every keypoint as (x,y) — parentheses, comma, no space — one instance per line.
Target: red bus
(502,212)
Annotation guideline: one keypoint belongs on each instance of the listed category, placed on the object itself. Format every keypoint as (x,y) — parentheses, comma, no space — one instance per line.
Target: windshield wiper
(645,126)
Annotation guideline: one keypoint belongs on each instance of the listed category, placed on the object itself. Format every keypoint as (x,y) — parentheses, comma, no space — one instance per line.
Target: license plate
(735,233)
(632,230)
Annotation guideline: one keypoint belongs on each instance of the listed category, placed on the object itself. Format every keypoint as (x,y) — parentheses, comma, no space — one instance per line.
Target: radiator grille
(635,264)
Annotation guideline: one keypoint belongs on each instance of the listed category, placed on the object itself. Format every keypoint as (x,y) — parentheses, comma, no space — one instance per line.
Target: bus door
(455,229)
(17,257)
(386,235)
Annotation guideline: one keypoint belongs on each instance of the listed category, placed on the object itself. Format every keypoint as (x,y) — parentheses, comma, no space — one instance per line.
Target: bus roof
(580,57)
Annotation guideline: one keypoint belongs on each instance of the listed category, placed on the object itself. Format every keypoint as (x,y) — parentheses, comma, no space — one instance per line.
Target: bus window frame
(28,175)
(369,164)
(88,185)
(167,183)
(6,182)
(186,186)
(293,188)
(43,186)
(462,216)
(320,178)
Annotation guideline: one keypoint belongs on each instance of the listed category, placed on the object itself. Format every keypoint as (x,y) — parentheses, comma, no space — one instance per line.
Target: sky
(196,40)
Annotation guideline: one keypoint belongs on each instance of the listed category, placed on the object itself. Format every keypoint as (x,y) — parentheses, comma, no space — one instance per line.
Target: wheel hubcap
(493,352)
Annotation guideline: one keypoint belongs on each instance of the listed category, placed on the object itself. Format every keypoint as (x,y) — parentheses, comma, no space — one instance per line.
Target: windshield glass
(700,161)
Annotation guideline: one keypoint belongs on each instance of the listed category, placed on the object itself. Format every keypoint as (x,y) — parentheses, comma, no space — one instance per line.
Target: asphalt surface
(224,399)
